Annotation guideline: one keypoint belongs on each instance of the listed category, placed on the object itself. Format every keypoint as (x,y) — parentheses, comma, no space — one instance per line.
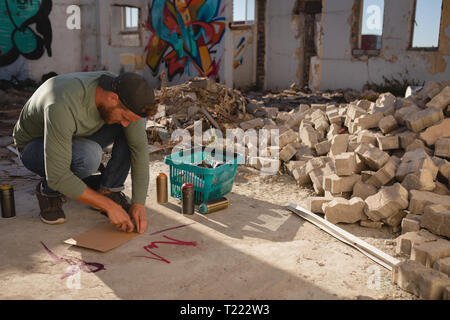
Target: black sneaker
(119,198)
(51,207)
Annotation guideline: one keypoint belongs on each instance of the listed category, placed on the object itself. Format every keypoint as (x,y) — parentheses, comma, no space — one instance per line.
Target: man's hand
(120,219)
(139,215)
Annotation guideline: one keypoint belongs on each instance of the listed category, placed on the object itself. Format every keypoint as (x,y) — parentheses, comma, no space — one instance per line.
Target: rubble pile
(216,106)
(378,163)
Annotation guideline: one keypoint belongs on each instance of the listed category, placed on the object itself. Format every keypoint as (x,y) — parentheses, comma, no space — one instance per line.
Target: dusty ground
(253,250)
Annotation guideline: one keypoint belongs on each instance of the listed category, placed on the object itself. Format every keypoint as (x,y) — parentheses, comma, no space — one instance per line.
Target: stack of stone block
(380,163)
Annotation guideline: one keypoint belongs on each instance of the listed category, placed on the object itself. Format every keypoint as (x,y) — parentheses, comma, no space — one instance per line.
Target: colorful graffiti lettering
(239,55)
(185,32)
(16,35)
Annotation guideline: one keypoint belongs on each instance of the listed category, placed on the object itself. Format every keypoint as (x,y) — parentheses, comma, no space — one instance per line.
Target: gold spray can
(161,188)
(214,205)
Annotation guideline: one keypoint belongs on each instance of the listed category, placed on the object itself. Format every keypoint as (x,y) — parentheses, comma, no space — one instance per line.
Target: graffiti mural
(16,35)
(239,55)
(185,33)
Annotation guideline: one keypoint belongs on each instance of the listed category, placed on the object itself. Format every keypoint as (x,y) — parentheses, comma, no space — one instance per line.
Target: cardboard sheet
(103,238)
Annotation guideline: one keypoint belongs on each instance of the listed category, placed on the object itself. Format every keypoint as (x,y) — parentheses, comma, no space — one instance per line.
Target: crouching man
(62,130)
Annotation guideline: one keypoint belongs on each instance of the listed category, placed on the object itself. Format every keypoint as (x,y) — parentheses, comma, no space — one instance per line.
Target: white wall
(244,58)
(340,70)
(282,43)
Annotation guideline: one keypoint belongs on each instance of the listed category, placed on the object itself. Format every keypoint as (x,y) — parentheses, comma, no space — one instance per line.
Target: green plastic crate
(209,183)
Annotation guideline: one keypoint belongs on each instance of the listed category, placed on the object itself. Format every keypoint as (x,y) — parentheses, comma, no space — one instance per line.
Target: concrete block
(442,265)
(406,138)
(396,219)
(314,204)
(339,144)
(287,153)
(363,190)
(367,137)
(252,124)
(292,165)
(367,121)
(388,124)
(287,137)
(442,147)
(308,134)
(316,163)
(341,210)
(295,119)
(428,284)
(388,142)
(323,147)
(407,240)
(444,168)
(436,219)
(301,176)
(418,144)
(384,175)
(317,177)
(337,185)
(364,104)
(372,157)
(410,225)
(303,153)
(433,133)
(320,120)
(418,200)
(441,100)
(413,162)
(427,253)
(354,112)
(423,119)
(441,189)
(401,114)
(430,89)
(422,181)
(332,131)
(345,164)
(387,202)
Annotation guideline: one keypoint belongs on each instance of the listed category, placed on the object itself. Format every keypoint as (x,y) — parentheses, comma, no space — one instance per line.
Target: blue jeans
(86,158)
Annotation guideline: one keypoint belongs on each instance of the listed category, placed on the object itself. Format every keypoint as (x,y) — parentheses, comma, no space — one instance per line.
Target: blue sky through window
(239,10)
(427,23)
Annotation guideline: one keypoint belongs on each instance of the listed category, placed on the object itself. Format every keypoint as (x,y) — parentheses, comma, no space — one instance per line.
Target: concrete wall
(244,57)
(282,45)
(339,69)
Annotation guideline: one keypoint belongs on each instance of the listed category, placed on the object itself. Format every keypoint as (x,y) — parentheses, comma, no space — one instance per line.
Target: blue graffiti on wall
(16,35)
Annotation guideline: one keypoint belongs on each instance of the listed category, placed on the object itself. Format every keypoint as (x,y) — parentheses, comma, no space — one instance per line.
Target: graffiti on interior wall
(239,55)
(185,33)
(17,37)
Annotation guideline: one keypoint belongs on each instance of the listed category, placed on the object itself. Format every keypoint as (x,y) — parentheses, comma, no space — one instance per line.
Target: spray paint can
(161,188)
(7,200)
(187,198)
(213,205)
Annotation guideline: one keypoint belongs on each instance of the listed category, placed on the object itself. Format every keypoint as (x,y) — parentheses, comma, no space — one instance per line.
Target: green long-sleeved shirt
(63,108)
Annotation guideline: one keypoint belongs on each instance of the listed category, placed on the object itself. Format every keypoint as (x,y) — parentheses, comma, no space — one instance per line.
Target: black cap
(133,90)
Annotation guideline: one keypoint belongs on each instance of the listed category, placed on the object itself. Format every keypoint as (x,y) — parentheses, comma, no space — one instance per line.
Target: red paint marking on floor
(153,245)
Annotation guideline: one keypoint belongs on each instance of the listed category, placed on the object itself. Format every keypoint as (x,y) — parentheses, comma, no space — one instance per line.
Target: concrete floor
(253,250)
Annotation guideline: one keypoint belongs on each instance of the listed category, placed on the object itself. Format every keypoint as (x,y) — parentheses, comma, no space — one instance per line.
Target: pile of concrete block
(379,163)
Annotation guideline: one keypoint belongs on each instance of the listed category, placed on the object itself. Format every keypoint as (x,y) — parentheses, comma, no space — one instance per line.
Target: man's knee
(86,157)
